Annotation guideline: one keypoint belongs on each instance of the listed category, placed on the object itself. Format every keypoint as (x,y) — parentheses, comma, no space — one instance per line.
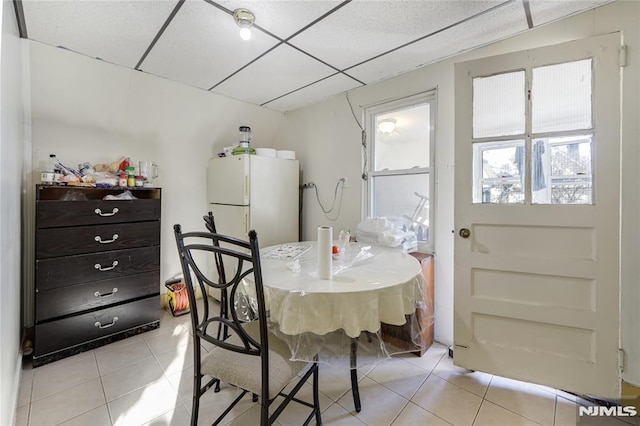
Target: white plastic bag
(382,231)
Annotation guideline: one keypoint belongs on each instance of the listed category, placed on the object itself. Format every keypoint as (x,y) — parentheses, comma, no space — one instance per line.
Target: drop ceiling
(301,51)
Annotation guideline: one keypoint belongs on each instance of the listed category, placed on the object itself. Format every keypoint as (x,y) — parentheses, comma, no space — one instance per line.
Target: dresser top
(60,192)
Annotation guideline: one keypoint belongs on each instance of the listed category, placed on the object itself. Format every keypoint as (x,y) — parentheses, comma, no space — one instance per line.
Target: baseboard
(15,391)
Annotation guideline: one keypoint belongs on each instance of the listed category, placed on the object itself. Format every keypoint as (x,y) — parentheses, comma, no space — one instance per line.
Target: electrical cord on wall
(363,138)
(326,211)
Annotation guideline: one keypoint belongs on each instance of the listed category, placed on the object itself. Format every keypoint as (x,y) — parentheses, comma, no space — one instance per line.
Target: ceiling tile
(202,46)
(281,71)
(502,22)
(115,31)
(282,17)
(544,11)
(363,29)
(315,93)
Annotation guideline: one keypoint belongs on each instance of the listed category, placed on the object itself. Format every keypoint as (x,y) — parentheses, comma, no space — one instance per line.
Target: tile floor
(146,380)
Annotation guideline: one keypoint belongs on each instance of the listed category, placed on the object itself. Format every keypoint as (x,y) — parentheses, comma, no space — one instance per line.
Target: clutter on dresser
(122,173)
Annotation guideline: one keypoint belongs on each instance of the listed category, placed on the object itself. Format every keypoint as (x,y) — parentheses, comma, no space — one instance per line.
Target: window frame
(565,180)
(370,114)
(529,137)
(477,190)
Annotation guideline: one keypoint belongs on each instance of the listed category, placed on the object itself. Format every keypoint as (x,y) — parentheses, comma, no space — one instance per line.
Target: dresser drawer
(55,242)
(81,297)
(52,213)
(70,270)
(79,329)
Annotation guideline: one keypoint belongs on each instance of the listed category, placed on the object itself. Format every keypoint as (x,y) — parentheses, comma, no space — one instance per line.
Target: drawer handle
(113,212)
(108,268)
(98,325)
(97,293)
(99,239)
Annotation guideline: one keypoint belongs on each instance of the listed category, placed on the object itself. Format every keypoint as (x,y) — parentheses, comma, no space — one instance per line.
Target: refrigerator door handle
(246,187)
(246,223)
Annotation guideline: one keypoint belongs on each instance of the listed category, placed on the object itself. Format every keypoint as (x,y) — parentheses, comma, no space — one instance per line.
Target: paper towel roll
(325,259)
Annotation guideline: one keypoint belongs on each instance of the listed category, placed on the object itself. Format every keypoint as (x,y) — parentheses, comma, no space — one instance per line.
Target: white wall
(11,160)
(85,109)
(326,140)
(328,144)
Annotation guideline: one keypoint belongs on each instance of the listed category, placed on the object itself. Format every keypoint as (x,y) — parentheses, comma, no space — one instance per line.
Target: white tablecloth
(370,285)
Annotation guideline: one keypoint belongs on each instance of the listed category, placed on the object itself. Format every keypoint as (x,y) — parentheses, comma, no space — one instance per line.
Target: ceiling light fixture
(244,18)
(388,125)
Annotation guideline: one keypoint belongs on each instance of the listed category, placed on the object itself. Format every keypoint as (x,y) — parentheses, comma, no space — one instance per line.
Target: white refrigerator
(253,192)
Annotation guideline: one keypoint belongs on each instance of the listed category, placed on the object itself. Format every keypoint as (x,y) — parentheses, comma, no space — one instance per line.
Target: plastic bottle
(53,164)
(48,176)
(131,177)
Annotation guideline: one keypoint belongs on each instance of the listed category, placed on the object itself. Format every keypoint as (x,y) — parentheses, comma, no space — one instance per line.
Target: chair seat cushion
(244,371)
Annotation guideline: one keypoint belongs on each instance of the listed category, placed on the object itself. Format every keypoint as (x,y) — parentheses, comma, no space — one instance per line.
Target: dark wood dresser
(97,277)
(401,335)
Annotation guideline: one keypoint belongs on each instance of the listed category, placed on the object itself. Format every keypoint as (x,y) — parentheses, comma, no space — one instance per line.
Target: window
(498,171)
(534,145)
(400,184)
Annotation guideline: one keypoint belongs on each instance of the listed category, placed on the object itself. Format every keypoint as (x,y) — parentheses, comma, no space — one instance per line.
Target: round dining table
(370,285)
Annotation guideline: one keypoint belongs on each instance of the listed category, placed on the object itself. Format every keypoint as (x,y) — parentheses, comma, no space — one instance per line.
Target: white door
(537,214)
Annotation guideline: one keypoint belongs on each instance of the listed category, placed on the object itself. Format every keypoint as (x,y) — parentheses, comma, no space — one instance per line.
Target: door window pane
(498,105)
(499,172)
(403,138)
(562,97)
(403,199)
(561,170)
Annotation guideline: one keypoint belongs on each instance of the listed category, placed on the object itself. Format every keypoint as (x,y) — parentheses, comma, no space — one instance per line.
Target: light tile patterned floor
(146,380)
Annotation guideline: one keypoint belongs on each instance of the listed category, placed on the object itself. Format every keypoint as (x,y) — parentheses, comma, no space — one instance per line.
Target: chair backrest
(210,224)
(194,248)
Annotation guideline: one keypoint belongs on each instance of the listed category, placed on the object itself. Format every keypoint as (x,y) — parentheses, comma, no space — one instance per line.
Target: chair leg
(354,374)
(223,330)
(316,398)
(197,383)
(264,411)
(195,406)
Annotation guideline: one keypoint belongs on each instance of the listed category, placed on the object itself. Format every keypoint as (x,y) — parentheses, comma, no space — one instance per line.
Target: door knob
(465,233)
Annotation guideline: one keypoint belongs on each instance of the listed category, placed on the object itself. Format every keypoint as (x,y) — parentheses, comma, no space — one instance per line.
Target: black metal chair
(250,358)
(210,224)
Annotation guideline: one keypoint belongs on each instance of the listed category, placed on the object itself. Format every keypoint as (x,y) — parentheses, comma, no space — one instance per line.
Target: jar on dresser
(97,268)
